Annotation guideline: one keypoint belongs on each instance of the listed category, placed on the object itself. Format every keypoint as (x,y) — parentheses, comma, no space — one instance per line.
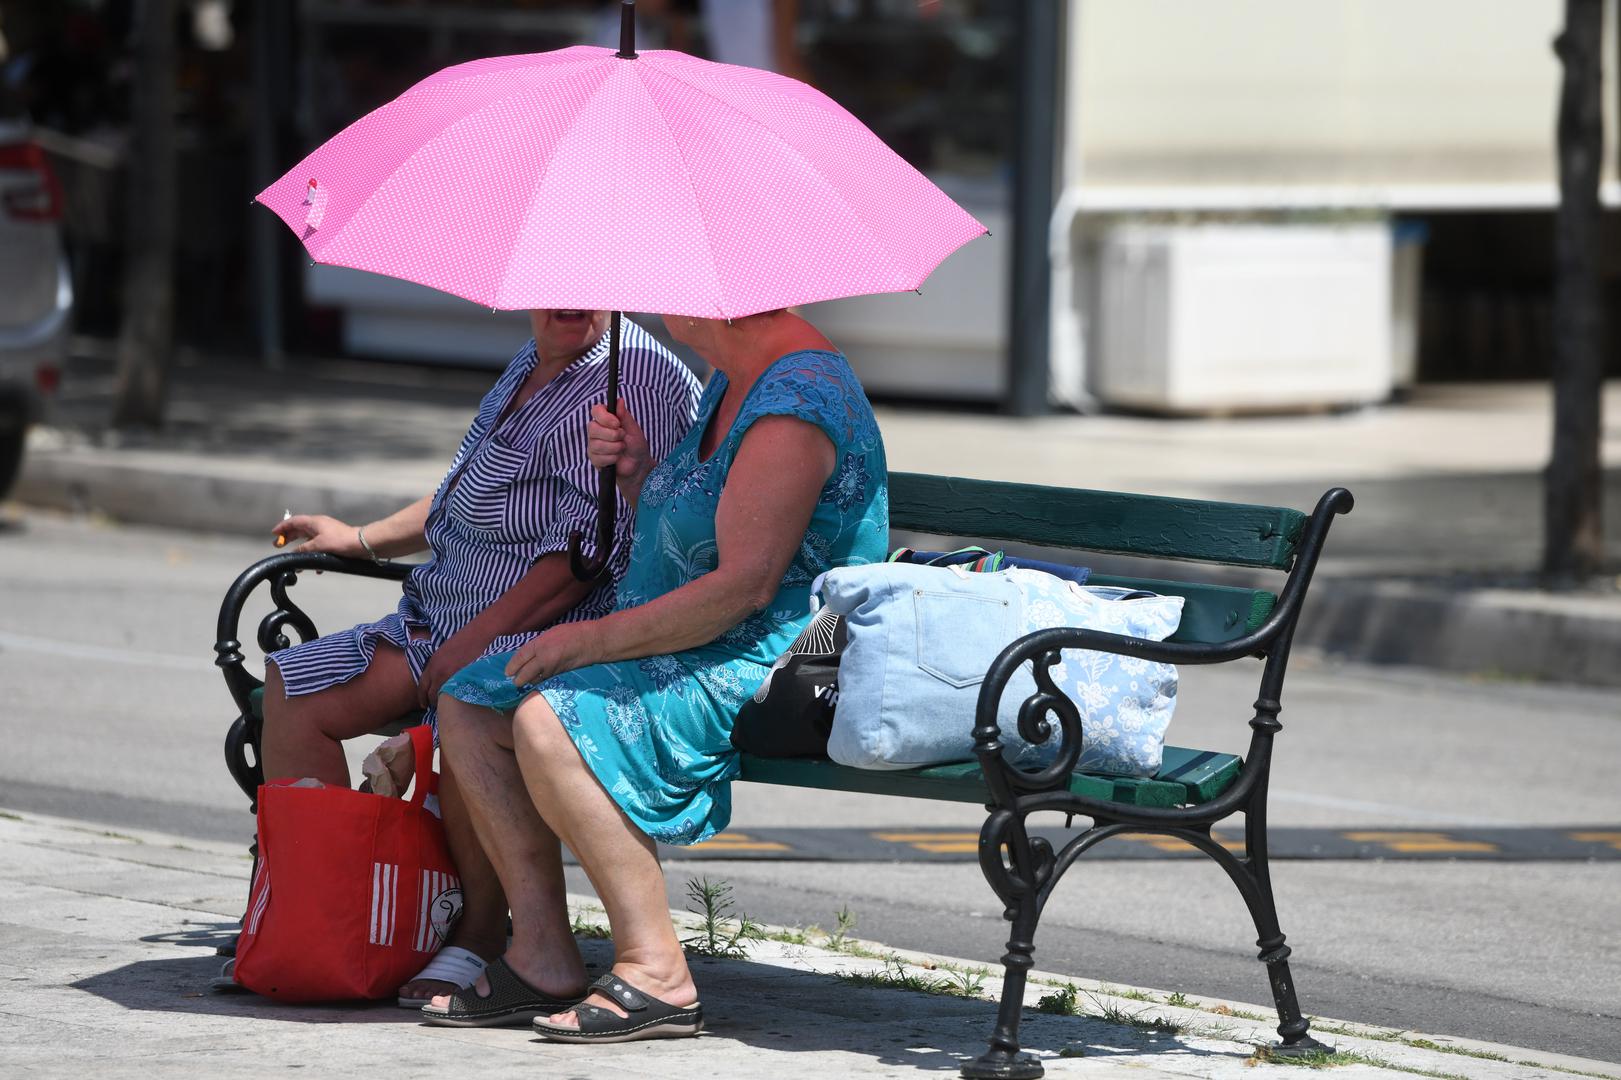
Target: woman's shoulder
(819,386)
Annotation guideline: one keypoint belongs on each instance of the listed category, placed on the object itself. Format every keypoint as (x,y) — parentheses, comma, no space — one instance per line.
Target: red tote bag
(353,893)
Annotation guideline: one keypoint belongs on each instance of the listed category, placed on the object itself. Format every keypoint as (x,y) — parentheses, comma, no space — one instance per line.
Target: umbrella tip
(627,30)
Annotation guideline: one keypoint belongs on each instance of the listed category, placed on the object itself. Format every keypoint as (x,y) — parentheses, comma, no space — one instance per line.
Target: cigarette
(281,541)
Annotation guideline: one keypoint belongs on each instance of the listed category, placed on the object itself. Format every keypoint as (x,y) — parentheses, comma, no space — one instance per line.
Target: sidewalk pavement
(1432,569)
(109,940)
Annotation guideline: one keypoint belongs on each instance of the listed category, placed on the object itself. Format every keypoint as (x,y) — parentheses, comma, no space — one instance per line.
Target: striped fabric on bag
(385,892)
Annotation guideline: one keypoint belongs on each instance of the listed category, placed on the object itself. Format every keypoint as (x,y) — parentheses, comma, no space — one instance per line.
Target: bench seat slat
(1187,777)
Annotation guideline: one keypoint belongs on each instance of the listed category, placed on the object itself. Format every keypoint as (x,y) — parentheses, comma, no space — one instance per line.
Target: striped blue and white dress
(517,487)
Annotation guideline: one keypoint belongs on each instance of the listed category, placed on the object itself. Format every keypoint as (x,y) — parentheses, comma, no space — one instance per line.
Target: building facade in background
(1246,186)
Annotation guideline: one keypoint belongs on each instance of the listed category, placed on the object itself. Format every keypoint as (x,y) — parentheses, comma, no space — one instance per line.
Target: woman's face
(562,334)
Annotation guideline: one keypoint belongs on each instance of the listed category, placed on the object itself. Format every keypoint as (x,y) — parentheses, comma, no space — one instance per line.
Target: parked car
(36,291)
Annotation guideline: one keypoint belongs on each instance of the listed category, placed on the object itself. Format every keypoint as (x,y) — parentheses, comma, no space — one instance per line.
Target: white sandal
(226,982)
(452,964)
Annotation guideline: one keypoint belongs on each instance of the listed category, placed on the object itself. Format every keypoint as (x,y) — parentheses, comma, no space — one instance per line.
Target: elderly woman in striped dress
(497,532)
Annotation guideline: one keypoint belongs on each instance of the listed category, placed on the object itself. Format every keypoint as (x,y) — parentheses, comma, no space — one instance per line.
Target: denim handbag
(922,637)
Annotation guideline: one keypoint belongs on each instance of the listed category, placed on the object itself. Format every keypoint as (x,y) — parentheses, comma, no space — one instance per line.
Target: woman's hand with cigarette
(319,533)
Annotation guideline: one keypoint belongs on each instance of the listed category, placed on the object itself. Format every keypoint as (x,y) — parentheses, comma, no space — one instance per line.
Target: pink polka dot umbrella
(595,179)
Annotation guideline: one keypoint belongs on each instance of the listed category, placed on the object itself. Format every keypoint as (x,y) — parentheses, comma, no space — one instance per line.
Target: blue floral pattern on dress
(849,483)
(657,731)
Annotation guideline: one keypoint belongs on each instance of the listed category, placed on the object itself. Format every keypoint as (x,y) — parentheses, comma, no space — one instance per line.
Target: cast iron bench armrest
(281,571)
(1045,788)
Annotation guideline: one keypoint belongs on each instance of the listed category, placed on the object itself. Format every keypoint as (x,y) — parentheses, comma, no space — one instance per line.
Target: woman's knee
(452,720)
(536,731)
(461,725)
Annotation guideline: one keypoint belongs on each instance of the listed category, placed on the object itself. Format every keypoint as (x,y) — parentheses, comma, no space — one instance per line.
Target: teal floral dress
(657,731)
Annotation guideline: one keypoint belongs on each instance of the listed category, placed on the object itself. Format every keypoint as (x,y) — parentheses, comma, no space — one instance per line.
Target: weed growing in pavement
(1324,1059)
(581,926)
(844,921)
(1061,1002)
(1242,1014)
(10,816)
(715,907)
(1426,1044)
(1179,1000)
(793,935)
(1401,1037)
(896,975)
(1566,1069)
(1110,1013)
(1131,994)
(967,982)
(1072,1052)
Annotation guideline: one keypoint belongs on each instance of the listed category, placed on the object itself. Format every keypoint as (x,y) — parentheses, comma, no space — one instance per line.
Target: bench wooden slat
(1203,776)
(1211,614)
(1148,526)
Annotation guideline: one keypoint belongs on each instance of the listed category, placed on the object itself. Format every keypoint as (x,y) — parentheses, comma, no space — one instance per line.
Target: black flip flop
(649,1017)
(510,1002)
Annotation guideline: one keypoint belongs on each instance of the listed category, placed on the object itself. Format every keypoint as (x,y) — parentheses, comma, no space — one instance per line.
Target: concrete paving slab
(107,974)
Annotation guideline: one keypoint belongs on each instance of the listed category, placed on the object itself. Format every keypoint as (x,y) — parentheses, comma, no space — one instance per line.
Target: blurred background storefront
(1226,191)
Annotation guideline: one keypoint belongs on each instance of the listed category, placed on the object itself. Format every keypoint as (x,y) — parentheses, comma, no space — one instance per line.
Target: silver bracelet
(360,534)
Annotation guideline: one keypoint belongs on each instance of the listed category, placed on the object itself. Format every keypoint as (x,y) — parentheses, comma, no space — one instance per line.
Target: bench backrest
(1146,526)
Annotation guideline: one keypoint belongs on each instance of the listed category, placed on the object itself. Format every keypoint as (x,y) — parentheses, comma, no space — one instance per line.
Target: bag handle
(422,748)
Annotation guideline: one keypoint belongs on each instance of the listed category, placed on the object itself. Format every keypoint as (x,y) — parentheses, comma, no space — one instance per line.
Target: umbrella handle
(607,511)
(607,485)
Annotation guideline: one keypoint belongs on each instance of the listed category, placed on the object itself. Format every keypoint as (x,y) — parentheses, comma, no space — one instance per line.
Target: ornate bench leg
(1020,891)
(1293,1027)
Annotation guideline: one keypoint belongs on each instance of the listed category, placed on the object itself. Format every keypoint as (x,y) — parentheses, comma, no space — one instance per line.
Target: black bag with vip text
(791,714)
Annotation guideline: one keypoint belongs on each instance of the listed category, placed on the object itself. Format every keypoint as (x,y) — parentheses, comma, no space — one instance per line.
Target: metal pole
(1035,165)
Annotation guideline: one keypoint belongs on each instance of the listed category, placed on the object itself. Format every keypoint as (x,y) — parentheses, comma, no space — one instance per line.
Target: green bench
(1194,789)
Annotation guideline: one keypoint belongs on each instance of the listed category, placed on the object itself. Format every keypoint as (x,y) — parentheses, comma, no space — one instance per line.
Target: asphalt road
(111,711)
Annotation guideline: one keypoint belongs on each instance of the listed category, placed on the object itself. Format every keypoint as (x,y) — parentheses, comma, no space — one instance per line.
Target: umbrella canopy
(583,178)
(588,178)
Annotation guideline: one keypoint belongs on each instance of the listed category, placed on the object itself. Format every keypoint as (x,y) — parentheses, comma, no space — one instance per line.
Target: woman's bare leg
(619,858)
(482,927)
(303,735)
(477,746)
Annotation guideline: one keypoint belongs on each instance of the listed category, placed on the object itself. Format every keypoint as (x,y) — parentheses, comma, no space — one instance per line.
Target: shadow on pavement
(762,1006)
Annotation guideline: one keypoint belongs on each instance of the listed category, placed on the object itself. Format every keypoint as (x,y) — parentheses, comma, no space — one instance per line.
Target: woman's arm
(542,596)
(765,507)
(401,533)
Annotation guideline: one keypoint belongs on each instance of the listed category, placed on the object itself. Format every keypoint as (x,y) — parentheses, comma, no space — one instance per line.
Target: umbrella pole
(607,484)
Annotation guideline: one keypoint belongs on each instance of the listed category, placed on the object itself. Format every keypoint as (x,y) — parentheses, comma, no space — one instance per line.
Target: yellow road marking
(1416,842)
(736,841)
(1613,839)
(908,837)
(1173,843)
(935,843)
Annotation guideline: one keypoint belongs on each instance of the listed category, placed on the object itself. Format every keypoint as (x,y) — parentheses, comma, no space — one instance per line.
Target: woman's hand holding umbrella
(617,442)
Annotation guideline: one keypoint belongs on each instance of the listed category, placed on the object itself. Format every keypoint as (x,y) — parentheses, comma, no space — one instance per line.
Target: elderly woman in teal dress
(614,733)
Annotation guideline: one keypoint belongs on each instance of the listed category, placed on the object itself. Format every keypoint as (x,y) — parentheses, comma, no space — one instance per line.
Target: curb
(1480,632)
(143,489)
